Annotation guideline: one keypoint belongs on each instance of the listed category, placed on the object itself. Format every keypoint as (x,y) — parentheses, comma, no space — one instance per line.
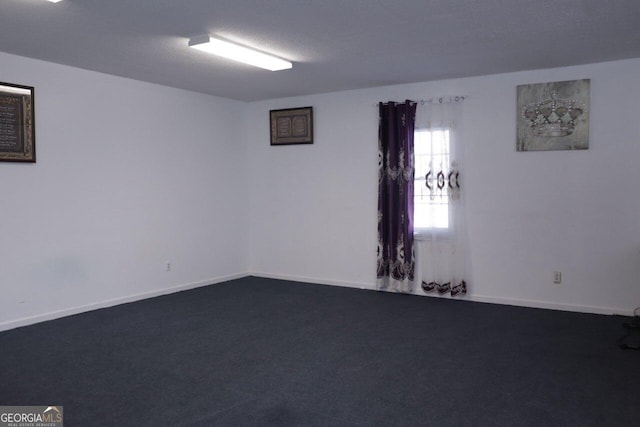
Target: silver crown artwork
(553,117)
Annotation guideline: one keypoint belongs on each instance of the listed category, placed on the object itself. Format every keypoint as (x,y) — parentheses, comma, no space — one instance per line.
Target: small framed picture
(291,126)
(17,123)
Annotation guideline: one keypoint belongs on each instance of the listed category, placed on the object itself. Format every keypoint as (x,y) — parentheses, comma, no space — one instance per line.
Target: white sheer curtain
(440,231)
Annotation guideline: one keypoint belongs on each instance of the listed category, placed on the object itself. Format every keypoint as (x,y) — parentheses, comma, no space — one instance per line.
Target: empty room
(328,213)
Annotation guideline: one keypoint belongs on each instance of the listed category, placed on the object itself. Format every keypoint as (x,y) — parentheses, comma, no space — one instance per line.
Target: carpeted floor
(262,352)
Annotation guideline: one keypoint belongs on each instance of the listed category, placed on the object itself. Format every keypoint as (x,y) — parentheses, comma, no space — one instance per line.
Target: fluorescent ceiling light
(238,53)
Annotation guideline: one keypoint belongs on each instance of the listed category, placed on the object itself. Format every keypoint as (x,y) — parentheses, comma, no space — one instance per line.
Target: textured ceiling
(334,44)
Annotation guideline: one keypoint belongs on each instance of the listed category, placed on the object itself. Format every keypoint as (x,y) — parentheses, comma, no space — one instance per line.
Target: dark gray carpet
(259,352)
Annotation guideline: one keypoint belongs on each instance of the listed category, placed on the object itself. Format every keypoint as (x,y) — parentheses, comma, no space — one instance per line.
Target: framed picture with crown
(553,116)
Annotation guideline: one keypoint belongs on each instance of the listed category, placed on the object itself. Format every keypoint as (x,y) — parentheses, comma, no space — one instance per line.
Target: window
(431,205)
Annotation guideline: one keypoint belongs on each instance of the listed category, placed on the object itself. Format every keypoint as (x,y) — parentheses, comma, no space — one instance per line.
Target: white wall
(313,208)
(129,175)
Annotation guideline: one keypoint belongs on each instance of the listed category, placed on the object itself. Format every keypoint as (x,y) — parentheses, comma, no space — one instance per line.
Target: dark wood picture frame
(291,126)
(17,123)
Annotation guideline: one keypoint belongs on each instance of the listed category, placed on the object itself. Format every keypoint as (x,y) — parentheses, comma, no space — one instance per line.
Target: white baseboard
(25,321)
(552,305)
(304,279)
(475,298)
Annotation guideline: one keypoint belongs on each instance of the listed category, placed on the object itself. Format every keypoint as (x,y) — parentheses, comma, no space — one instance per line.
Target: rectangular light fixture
(54,1)
(238,53)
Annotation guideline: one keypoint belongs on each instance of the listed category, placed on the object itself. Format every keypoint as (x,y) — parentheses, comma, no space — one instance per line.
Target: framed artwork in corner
(291,126)
(17,123)
(553,116)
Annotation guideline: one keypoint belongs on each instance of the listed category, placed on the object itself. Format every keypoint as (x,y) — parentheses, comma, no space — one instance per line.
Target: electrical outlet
(557,277)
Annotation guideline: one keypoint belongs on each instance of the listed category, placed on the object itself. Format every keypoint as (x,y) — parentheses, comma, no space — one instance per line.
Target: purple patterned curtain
(396,265)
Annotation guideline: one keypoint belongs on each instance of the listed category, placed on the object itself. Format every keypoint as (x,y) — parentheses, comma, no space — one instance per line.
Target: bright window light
(239,53)
(431,153)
